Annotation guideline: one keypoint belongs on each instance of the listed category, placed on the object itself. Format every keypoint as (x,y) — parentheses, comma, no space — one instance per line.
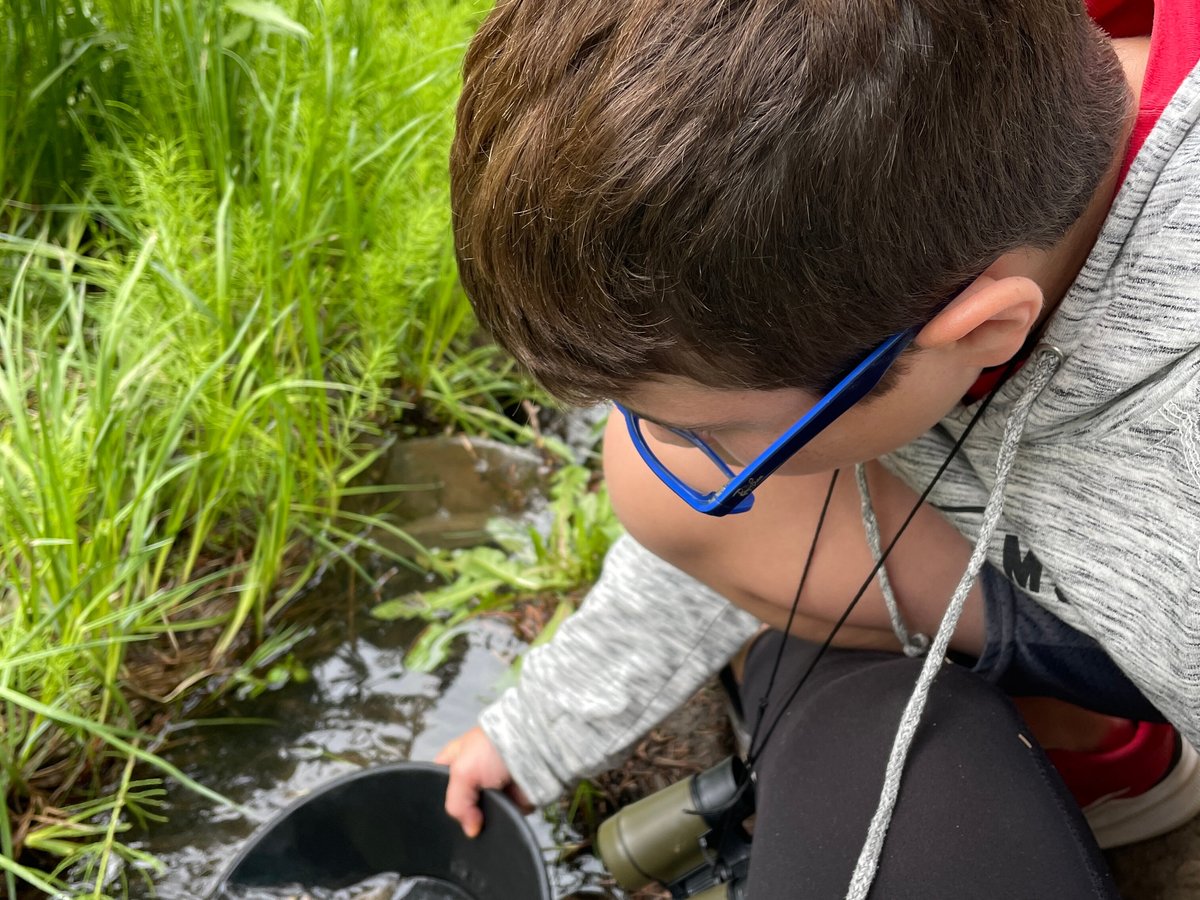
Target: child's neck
(1057,268)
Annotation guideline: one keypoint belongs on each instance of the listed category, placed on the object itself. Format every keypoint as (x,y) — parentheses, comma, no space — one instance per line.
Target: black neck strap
(756,746)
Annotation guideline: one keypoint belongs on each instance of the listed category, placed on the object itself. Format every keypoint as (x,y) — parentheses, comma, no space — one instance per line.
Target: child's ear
(988,322)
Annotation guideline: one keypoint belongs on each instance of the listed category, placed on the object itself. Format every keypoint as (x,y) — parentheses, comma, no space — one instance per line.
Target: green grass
(225,271)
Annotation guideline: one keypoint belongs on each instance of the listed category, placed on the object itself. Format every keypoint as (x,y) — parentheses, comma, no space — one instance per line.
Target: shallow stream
(359,707)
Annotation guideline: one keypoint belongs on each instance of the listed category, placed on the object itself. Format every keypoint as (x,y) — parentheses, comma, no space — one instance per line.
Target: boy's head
(751,194)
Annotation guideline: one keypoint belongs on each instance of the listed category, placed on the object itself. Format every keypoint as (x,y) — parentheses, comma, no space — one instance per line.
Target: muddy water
(359,707)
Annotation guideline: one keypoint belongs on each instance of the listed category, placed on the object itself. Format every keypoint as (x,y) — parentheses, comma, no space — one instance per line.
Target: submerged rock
(452,486)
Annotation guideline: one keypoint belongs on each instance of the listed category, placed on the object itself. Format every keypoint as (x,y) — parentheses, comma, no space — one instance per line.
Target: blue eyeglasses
(737,495)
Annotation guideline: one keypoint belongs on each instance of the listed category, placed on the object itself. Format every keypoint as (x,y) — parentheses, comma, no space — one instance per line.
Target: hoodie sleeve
(643,641)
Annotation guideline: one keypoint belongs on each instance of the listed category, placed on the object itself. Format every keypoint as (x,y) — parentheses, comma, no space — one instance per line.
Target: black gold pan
(390,819)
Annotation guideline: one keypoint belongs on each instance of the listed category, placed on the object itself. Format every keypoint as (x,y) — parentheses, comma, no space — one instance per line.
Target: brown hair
(752,193)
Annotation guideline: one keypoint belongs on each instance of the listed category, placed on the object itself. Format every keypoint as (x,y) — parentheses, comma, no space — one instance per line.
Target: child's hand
(474,765)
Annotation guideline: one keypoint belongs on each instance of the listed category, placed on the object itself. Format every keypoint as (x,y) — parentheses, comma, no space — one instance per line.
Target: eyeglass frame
(737,495)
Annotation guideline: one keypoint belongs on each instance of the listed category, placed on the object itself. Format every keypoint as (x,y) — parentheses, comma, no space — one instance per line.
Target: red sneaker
(1143,781)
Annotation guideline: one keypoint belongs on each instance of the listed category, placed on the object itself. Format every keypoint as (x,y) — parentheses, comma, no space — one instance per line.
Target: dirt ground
(699,735)
(1166,868)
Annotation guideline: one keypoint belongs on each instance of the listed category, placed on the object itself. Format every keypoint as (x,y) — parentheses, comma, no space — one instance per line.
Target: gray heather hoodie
(1101,509)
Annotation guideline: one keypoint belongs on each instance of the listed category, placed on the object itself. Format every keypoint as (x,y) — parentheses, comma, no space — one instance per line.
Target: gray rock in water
(454,485)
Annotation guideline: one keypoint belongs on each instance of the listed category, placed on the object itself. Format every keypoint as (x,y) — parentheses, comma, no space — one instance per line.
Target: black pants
(981,812)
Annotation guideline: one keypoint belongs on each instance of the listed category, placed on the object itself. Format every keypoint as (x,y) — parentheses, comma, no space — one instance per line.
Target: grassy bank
(225,264)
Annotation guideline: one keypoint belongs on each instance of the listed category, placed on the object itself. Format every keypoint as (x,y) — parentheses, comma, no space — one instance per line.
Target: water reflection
(360,707)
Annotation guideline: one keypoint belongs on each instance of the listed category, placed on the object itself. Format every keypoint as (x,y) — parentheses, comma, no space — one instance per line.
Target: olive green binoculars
(689,837)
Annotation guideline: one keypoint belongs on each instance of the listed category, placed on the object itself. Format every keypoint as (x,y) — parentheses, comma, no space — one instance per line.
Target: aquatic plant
(225,264)
(523,563)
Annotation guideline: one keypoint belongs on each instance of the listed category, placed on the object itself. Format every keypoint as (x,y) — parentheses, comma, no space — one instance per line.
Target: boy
(730,216)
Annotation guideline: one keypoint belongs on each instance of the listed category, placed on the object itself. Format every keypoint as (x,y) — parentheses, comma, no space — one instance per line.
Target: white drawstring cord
(1046,364)
(914,645)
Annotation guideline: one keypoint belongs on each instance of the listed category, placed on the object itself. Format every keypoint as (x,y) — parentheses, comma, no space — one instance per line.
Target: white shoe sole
(1172,802)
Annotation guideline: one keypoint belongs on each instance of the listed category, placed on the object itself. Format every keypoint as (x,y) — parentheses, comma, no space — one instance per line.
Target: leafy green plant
(582,806)
(523,563)
(225,269)
(105,557)
(56,60)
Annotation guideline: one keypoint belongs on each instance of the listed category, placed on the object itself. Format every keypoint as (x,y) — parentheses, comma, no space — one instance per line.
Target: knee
(959,700)
(885,682)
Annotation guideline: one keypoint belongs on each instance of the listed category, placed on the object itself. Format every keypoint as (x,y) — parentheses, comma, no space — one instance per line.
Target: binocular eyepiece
(689,837)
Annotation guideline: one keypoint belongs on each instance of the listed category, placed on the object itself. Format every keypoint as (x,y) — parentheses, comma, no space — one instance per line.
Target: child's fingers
(474,765)
(462,801)
(449,753)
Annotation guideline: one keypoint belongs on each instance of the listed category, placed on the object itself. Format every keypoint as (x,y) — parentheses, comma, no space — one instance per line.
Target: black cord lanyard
(756,746)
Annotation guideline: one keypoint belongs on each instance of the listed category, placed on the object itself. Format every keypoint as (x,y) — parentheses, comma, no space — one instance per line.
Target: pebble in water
(389,886)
